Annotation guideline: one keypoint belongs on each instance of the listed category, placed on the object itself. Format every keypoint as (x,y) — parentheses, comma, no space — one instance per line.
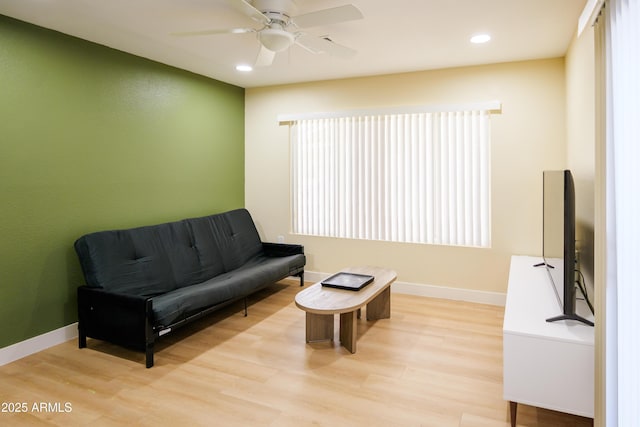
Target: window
(407,176)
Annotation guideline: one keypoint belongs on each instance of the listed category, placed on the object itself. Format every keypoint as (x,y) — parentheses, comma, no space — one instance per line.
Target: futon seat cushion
(183,302)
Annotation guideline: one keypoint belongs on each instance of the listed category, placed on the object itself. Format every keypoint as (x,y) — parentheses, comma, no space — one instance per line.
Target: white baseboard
(41,342)
(432,291)
(456,294)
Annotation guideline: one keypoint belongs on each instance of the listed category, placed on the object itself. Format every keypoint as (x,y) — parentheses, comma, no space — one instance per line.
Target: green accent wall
(92,138)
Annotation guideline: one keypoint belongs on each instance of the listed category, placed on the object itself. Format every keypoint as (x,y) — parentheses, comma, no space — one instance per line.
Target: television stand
(548,365)
(540,264)
(574,316)
(570,317)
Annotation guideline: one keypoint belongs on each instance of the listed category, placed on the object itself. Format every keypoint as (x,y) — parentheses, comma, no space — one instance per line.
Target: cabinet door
(549,374)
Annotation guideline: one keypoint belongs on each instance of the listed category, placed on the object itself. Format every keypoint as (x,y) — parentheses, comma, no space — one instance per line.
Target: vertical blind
(618,45)
(417,177)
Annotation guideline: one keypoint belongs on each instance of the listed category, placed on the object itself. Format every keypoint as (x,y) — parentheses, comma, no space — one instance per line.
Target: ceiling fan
(281,29)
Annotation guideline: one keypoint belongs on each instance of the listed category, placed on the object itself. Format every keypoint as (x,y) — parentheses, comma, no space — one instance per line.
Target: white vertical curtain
(418,177)
(618,45)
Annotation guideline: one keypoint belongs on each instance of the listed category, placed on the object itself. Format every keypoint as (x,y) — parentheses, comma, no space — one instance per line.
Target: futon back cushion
(127,261)
(155,259)
(234,235)
(240,241)
(192,259)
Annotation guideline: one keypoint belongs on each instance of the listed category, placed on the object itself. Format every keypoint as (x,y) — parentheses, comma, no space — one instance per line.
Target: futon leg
(149,355)
(149,335)
(245,307)
(301,278)
(82,337)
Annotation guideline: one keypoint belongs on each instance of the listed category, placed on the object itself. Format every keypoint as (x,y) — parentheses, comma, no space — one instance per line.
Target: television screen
(553,237)
(559,240)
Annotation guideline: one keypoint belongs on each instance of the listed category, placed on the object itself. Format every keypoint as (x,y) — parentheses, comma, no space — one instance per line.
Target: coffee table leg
(349,330)
(319,327)
(380,306)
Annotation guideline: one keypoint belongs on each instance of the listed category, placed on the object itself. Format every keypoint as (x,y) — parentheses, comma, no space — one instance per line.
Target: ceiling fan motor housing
(284,7)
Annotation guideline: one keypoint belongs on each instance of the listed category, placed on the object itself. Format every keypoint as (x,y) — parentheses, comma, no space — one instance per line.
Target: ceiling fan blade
(324,45)
(246,8)
(340,51)
(329,16)
(210,32)
(265,57)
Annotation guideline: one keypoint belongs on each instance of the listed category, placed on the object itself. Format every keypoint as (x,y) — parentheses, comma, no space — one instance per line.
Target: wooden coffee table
(320,304)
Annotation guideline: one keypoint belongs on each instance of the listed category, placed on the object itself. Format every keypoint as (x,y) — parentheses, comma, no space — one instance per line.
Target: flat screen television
(559,240)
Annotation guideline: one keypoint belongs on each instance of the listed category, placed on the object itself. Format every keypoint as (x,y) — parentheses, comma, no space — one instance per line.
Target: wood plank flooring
(434,363)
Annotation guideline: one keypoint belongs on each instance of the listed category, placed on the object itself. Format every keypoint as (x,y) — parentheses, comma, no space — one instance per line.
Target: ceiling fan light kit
(276,39)
(281,28)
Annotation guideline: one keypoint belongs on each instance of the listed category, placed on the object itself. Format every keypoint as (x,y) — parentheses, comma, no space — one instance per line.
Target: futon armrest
(120,318)
(282,249)
(92,295)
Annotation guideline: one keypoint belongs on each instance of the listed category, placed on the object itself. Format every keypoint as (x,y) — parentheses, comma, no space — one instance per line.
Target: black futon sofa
(144,282)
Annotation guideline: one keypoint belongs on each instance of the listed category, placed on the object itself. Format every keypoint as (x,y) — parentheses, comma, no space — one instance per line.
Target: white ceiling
(395,35)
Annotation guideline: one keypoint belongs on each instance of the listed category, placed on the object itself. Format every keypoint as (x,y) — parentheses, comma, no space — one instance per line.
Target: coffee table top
(319,299)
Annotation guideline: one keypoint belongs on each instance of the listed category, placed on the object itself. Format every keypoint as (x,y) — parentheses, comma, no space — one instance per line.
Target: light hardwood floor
(434,363)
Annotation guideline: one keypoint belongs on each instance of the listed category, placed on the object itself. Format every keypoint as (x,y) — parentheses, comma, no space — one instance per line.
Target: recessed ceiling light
(480,38)
(244,68)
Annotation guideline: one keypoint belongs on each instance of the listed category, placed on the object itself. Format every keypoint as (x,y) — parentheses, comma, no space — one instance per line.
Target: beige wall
(581,154)
(580,69)
(527,137)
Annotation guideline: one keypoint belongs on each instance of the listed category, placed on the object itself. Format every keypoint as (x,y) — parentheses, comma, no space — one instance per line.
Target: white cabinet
(548,365)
